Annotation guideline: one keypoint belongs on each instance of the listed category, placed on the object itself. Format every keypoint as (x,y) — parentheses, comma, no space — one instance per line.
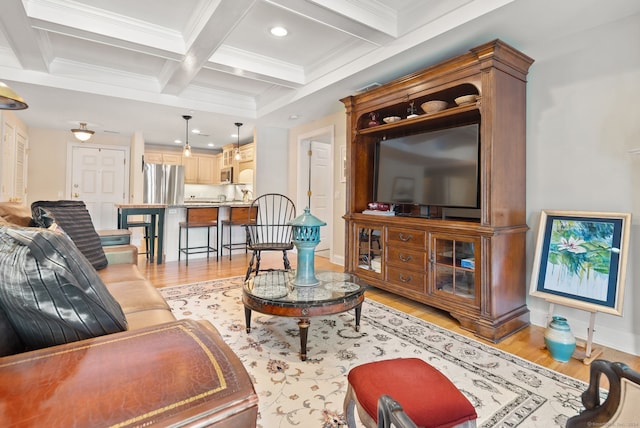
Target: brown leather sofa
(160,371)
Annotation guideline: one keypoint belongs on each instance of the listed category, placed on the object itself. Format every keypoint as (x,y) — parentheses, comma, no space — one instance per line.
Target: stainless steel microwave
(226,175)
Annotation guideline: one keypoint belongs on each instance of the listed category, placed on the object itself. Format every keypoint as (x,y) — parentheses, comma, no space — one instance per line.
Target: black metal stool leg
(179,242)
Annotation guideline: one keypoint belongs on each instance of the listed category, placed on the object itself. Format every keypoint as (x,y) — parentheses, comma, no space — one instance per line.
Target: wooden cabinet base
(497,330)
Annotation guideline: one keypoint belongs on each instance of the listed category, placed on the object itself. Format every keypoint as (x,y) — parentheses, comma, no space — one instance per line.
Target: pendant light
(187,147)
(237,156)
(82,133)
(9,100)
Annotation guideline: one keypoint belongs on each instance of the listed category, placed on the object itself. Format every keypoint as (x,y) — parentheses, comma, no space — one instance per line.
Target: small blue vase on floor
(559,340)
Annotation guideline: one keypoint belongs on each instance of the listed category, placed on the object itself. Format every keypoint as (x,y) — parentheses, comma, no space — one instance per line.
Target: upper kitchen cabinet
(162,157)
(198,168)
(201,169)
(246,164)
(13,181)
(243,168)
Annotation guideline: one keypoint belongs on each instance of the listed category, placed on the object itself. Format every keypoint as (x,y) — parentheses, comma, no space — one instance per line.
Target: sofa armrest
(180,373)
(119,254)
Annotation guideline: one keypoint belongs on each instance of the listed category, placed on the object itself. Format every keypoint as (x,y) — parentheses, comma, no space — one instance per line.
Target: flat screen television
(438,168)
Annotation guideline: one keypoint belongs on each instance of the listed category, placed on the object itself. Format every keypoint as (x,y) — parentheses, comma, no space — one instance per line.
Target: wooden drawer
(411,280)
(406,258)
(407,237)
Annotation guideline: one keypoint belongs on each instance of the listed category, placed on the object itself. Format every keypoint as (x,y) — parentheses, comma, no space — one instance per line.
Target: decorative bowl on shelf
(466,99)
(434,106)
(391,119)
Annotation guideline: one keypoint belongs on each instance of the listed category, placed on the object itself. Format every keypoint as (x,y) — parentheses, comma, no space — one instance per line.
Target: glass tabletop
(278,287)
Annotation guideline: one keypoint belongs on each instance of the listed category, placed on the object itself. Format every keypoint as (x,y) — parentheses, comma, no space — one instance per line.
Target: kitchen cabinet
(190,169)
(208,172)
(198,168)
(201,169)
(14,155)
(166,158)
(243,168)
(246,164)
(228,155)
(471,263)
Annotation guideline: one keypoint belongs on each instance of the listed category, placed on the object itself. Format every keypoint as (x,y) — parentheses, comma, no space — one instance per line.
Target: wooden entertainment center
(470,263)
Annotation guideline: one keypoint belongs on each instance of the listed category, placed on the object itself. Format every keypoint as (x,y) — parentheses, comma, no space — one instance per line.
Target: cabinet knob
(404,258)
(405,238)
(405,279)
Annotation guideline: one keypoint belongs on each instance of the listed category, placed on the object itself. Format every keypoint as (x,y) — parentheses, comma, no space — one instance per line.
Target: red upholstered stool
(425,394)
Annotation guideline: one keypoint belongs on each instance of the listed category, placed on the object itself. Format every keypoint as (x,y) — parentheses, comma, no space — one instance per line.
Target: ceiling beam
(29,47)
(221,19)
(370,22)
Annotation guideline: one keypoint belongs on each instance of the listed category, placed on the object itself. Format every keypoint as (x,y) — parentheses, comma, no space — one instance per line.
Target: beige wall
(47,169)
(337,121)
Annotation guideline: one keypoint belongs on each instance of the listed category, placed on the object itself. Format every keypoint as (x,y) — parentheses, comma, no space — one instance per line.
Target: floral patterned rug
(506,390)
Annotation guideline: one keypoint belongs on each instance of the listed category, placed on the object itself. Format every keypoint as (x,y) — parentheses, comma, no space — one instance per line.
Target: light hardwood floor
(527,343)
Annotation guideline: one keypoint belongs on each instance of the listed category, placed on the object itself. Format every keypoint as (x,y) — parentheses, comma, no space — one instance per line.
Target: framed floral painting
(580,259)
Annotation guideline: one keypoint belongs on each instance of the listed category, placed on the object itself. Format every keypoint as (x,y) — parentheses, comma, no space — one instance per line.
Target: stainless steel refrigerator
(163,184)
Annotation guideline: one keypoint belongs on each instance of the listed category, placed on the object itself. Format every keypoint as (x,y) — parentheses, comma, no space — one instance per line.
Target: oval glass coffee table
(273,293)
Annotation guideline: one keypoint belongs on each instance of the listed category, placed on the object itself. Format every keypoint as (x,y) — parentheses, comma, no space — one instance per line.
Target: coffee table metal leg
(247,318)
(303,324)
(358,313)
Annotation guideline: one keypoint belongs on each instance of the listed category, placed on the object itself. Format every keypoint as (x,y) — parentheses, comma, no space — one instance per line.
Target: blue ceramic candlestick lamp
(559,340)
(306,236)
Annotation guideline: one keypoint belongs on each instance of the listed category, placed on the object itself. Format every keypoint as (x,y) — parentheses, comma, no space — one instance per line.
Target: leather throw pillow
(50,292)
(75,220)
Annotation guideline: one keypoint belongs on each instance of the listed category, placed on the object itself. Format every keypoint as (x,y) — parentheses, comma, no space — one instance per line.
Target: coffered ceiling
(127,66)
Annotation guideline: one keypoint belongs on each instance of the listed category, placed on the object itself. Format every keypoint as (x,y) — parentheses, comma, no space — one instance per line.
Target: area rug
(506,390)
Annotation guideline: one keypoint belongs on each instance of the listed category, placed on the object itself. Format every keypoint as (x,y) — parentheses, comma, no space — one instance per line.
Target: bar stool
(238,216)
(198,217)
(149,235)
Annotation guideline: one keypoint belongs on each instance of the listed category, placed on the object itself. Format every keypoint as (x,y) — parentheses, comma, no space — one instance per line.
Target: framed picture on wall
(580,259)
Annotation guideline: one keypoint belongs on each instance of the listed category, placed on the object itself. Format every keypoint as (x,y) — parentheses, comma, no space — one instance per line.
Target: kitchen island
(177,213)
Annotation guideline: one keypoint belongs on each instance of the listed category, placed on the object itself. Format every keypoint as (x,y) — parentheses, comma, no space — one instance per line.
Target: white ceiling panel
(128,66)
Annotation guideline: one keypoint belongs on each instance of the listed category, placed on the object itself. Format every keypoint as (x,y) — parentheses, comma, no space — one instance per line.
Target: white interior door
(99,179)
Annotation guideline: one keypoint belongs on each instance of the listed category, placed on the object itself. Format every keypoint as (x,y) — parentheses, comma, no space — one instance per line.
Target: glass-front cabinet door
(369,249)
(454,271)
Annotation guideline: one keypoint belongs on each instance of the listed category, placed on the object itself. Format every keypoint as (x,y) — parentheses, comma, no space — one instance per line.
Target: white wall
(272,161)
(582,120)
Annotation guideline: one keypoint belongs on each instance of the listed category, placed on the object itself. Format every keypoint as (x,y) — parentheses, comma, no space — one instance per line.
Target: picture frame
(580,259)
(343,164)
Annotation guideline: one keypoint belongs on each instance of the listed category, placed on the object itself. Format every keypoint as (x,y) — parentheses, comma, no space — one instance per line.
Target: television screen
(438,168)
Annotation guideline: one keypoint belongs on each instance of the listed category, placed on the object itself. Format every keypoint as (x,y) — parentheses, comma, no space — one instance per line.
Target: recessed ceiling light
(279,31)
(294,117)
(177,141)
(211,145)
(195,131)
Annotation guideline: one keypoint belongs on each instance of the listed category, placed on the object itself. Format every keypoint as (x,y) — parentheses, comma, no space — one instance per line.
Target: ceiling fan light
(82,133)
(9,100)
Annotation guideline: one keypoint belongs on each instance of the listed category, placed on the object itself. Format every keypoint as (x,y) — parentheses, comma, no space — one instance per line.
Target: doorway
(315,169)
(99,176)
